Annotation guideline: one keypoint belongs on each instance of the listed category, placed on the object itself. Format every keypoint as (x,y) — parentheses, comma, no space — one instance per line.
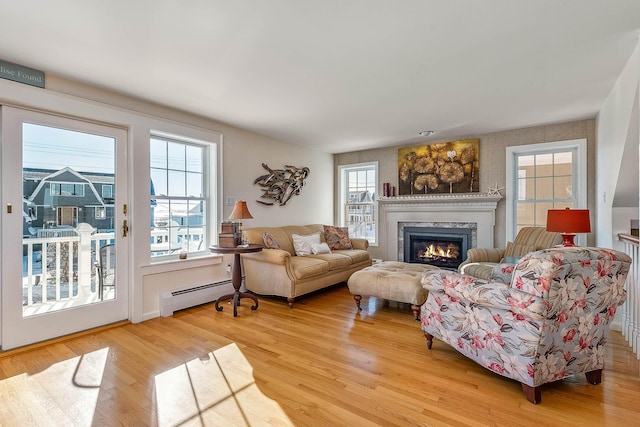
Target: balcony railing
(631,308)
(56,269)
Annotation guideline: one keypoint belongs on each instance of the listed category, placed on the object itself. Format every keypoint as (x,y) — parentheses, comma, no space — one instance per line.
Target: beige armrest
(271,256)
(358,243)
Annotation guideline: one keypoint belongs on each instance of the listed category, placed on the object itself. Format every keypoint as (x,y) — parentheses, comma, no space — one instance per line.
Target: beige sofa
(280,272)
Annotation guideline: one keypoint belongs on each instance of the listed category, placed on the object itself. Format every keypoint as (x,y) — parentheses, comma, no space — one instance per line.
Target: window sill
(181,264)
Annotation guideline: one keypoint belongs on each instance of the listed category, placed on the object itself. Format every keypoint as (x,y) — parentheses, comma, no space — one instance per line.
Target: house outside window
(179,196)
(358,206)
(542,177)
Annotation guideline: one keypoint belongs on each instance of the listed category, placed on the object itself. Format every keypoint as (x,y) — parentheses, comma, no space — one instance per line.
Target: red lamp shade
(568,222)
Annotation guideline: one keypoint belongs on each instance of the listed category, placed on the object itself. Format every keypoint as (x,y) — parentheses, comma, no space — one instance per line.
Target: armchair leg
(290,302)
(532,394)
(357,299)
(416,311)
(429,338)
(594,377)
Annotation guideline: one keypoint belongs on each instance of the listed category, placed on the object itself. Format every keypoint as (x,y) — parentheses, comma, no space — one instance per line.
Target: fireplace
(438,246)
(471,210)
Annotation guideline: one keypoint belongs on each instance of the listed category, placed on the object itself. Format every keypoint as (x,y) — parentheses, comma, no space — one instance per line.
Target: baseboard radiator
(171,301)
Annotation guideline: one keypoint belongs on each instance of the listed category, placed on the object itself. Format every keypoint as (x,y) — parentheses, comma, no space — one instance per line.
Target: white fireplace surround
(474,210)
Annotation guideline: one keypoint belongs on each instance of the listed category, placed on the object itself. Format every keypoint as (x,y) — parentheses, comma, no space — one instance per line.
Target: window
(358,207)
(544,176)
(179,202)
(107,191)
(60,189)
(101,212)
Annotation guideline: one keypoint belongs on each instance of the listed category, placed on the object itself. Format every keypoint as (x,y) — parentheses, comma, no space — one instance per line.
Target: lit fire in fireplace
(435,251)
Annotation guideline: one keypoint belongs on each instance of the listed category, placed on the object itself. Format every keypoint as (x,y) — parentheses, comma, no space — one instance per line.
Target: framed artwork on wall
(448,167)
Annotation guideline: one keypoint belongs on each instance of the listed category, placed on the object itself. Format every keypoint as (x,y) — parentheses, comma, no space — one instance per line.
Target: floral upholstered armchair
(550,321)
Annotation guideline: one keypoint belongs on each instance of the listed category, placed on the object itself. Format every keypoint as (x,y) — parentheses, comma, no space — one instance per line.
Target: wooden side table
(236,276)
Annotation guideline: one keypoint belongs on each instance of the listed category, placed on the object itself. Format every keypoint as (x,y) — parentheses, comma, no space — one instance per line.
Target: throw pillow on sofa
(270,242)
(320,248)
(302,244)
(337,237)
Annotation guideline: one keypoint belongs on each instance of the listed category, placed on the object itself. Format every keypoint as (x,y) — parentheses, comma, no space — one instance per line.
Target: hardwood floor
(320,364)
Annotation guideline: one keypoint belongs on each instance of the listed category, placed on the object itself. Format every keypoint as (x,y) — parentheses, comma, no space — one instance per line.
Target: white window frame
(579,181)
(343,191)
(212,170)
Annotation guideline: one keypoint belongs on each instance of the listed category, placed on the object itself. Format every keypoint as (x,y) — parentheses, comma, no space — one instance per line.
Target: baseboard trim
(64,338)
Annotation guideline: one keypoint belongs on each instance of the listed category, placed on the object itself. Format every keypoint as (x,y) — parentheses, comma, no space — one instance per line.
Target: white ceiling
(338,75)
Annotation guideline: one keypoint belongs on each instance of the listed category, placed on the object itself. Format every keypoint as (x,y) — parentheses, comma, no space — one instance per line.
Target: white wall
(242,155)
(621,218)
(613,125)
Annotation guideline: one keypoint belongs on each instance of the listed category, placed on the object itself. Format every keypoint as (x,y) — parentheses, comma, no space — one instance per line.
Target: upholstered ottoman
(391,280)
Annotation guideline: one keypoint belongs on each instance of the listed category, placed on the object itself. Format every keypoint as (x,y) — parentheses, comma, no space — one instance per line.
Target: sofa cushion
(356,255)
(302,244)
(336,260)
(305,267)
(538,237)
(337,237)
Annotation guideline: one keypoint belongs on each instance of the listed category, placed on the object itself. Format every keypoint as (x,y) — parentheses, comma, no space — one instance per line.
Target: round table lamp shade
(240,211)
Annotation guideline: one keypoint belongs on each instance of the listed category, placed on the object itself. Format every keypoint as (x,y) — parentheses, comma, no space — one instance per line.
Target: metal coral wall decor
(450,167)
(280,185)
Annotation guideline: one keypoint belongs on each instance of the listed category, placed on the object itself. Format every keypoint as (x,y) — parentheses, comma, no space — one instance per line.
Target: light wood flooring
(319,364)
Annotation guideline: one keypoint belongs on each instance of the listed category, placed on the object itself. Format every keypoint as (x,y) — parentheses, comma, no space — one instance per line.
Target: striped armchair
(481,261)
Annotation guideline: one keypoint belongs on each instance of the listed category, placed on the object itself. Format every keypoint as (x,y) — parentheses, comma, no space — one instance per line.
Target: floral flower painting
(449,167)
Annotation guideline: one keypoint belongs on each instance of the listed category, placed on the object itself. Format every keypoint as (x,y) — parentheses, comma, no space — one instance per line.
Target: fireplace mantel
(478,208)
(444,199)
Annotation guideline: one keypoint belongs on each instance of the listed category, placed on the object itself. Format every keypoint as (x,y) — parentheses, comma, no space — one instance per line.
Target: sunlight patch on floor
(73,384)
(215,389)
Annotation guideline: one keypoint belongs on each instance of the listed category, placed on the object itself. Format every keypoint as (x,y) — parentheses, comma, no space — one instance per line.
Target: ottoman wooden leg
(357,299)
(416,311)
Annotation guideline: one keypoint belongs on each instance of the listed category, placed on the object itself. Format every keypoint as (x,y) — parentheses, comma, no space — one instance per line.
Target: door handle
(125,228)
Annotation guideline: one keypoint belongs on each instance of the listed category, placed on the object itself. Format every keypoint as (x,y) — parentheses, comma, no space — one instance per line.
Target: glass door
(64,218)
